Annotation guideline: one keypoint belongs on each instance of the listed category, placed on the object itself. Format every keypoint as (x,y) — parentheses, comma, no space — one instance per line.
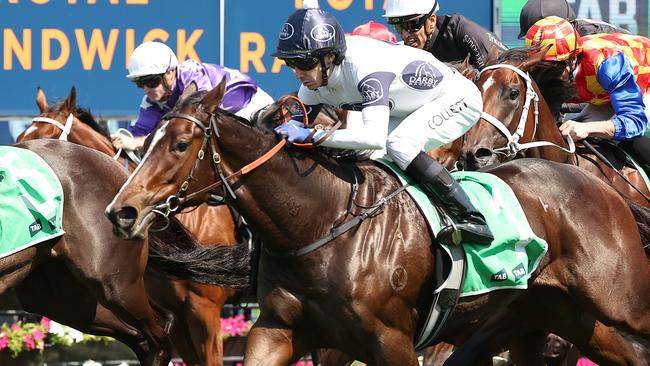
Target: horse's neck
(547,130)
(288,196)
(84,135)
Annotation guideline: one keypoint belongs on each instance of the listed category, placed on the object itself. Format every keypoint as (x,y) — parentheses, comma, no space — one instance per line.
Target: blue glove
(292,132)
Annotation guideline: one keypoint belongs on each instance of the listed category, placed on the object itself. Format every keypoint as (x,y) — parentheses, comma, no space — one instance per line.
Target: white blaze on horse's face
(160,133)
(488,84)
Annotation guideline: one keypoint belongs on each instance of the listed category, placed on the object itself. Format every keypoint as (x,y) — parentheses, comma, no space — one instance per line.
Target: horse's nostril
(125,217)
(482,153)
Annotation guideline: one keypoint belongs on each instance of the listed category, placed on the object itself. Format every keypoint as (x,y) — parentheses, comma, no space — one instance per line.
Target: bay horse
(196,331)
(365,291)
(88,265)
(526,126)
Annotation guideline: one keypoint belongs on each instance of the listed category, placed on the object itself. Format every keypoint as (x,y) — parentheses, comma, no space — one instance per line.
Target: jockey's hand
(124,142)
(577,130)
(292,132)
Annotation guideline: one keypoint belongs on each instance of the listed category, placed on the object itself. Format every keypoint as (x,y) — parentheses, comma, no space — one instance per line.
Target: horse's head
(57,122)
(510,107)
(178,163)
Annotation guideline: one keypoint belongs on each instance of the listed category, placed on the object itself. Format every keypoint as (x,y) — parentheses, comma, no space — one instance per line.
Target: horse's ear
(493,56)
(41,101)
(212,100)
(534,58)
(70,104)
(189,90)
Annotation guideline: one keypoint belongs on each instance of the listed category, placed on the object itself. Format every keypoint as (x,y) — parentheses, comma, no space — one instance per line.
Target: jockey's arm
(373,132)
(615,74)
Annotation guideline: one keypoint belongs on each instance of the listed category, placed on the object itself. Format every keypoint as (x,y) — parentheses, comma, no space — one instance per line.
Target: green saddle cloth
(514,254)
(31,201)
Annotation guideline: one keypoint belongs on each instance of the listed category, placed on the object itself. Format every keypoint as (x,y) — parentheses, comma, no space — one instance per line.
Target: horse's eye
(182,146)
(514,94)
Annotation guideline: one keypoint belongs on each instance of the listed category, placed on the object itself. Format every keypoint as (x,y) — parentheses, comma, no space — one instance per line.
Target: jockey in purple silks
(153,66)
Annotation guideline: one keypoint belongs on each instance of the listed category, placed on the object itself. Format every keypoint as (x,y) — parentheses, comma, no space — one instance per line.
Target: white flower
(58,329)
(91,363)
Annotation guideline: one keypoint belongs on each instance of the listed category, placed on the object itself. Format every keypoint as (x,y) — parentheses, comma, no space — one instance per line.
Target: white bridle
(513,147)
(65,129)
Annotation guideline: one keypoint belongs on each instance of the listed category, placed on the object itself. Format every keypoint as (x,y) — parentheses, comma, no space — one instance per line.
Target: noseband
(65,129)
(513,147)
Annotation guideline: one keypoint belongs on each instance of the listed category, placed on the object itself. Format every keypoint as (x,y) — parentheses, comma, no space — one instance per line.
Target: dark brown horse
(365,291)
(196,332)
(505,87)
(87,266)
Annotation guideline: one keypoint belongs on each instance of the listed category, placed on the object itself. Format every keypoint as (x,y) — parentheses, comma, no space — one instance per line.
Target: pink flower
(585,362)
(4,341)
(29,342)
(46,323)
(15,327)
(38,335)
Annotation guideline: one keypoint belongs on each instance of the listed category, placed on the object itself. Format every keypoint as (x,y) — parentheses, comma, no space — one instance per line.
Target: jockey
(611,75)
(535,10)
(449,39)
(430,103)
(153,66)
(375,30)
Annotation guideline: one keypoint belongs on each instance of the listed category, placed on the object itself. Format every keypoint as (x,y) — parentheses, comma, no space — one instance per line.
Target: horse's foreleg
(204,325)
(268,345)
(393,347)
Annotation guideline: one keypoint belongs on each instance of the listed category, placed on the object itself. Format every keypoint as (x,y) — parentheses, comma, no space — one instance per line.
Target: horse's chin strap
(513,146)
(65,129)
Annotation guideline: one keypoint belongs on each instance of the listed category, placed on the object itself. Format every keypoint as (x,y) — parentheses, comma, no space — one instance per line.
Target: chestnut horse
(196,331)
(364,291)
(67,277)
(513,125)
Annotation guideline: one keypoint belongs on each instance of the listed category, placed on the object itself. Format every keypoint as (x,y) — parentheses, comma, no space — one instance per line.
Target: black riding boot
(443,189)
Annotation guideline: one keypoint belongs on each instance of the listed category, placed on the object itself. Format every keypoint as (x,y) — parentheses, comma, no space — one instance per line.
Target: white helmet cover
(401,8)
(151,58)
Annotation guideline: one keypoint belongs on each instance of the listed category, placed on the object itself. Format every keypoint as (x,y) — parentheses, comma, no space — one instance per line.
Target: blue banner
(56,44)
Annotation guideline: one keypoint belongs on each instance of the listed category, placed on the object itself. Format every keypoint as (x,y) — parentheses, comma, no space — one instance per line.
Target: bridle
(175,201)
(513,147)
(65,129)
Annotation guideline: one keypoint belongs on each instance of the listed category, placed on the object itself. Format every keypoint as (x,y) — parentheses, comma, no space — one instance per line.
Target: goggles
(304,64)
(150,81)
(409,26)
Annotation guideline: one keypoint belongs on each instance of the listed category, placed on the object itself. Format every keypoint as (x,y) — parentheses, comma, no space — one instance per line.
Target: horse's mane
(87,118)
(547,75)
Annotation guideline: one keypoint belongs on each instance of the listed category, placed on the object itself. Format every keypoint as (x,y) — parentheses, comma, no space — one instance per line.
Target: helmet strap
(323,70)
(168,87)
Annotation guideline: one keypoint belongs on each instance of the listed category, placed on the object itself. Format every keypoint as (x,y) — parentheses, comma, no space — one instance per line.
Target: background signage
(86,43)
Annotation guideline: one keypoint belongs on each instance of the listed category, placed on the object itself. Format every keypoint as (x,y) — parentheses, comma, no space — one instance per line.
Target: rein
(129,153)
(65,129)
(513,147)
(175,201)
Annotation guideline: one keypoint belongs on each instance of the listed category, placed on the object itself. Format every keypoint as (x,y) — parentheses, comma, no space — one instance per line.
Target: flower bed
(28,337)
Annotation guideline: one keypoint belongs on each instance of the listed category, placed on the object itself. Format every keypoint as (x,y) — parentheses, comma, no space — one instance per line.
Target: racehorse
(365,290)
(517,122)
(89,259)
(196,333)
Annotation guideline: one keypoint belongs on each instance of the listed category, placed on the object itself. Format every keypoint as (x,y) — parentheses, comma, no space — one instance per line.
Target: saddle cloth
(31,201)
(514,254)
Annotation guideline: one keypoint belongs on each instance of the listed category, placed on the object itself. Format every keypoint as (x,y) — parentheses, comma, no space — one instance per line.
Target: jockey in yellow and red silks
(610,70)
